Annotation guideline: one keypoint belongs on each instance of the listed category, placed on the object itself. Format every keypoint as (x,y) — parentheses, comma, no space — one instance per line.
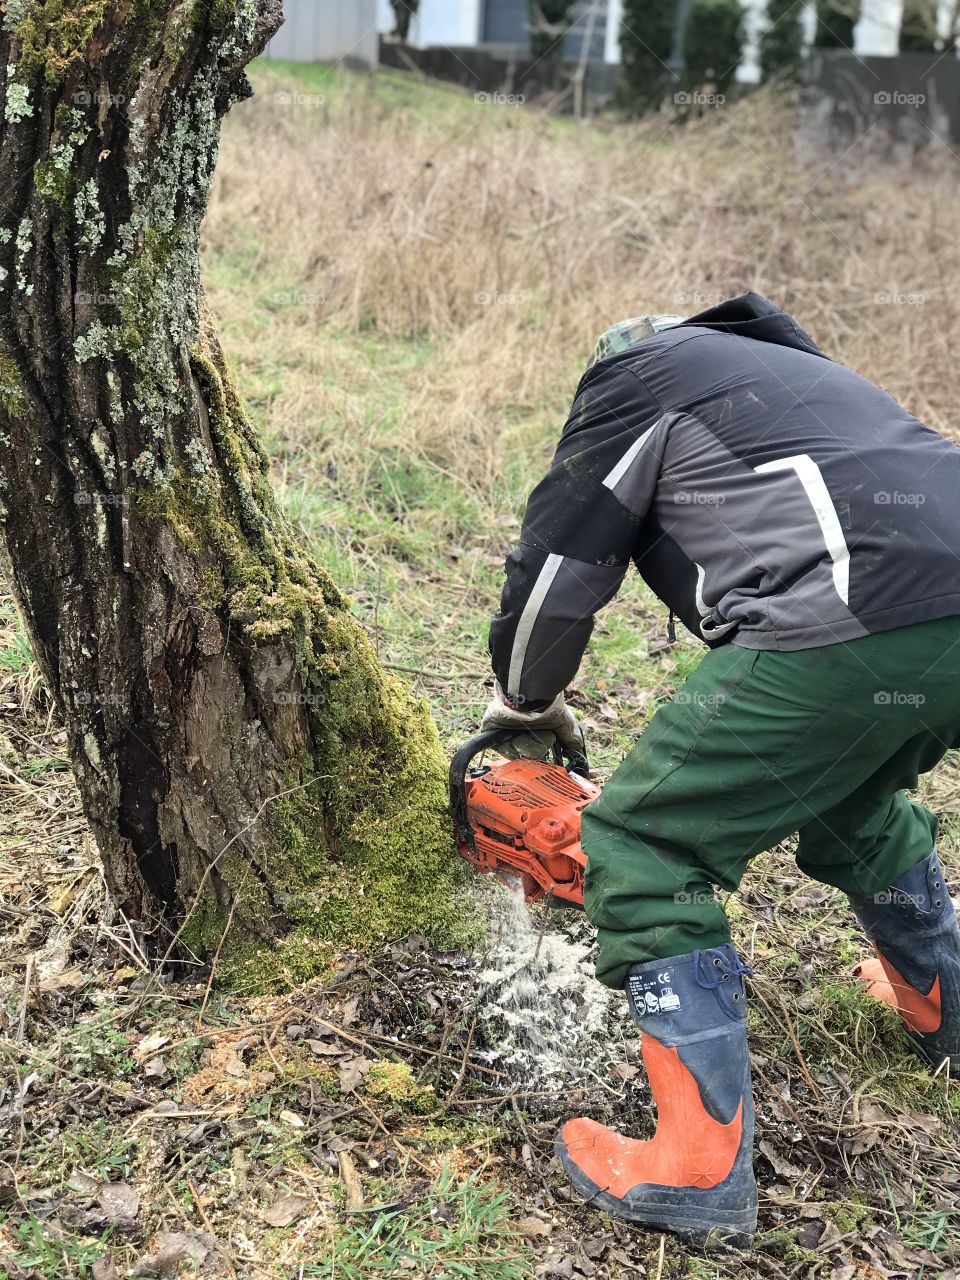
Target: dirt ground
(373,1125)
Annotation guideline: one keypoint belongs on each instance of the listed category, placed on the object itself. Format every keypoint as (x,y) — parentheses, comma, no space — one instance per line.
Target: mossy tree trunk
(241,755)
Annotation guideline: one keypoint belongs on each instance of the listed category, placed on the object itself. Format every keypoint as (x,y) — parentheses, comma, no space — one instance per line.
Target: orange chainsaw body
(523,820)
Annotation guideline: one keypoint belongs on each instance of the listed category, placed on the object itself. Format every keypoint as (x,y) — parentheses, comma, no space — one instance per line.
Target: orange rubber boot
(913,928)
(694,1177)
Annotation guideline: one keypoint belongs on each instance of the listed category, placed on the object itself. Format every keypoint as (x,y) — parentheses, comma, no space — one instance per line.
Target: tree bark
(243,759)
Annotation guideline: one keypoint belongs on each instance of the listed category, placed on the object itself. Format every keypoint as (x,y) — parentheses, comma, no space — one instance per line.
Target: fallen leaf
(831,1234)
(233,1066)
(560,1267)
(286,1209)
(119,1202)
(292,1119)
(149,1046)
(532,1227)
(171,1250)
(596,1246)
(864,1140)
(68,980)
(62,900)
(83,1183)
(104,1269)
(872,1113)
(810,1233)
(624,1070)
(920,1120)
(323,1049)
(352,1071)
(781,1166)
(9,1267)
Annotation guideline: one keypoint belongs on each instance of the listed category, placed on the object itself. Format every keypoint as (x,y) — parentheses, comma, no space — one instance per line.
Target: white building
(493,23)
(503,24)
(329,31)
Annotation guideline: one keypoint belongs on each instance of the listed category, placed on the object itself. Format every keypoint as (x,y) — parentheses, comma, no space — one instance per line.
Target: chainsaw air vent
(545,791)
(566,786)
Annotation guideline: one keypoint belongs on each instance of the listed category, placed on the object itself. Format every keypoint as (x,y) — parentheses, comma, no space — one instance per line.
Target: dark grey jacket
(769,496)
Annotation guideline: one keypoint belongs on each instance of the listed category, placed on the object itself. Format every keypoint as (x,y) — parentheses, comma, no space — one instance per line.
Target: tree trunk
(243,759)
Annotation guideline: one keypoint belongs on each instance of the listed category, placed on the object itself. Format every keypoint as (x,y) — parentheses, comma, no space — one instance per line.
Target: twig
(660,1256)
(351,1180)
(206,1221)
(36,792)
(814,1087)
(394,1043)
(25,999)
(449,677)
(214,962)
(463,1065)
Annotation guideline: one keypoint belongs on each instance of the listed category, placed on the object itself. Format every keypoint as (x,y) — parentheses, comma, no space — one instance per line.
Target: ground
(409,282)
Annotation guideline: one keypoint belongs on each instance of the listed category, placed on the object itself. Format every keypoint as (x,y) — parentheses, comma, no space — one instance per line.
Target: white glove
(556,722)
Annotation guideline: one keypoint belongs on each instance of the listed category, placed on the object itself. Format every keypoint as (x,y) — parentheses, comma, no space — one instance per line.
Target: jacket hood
(754,316)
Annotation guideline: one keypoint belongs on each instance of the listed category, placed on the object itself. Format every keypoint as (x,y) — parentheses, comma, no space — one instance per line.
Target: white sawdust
(548,1017)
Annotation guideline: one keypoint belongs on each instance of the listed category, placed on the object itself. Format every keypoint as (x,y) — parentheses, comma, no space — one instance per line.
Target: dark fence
(511,78)
(914,97)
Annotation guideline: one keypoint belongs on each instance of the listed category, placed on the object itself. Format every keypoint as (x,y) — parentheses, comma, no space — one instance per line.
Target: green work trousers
(757,745)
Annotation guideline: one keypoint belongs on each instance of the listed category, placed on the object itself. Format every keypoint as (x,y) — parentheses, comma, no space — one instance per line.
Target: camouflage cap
(627,333)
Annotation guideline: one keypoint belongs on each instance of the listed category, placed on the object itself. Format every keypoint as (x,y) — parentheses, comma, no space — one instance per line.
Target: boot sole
(729,1228)
(934,1060)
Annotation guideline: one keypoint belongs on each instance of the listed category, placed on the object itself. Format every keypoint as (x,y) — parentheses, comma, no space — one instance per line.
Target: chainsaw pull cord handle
(480,742)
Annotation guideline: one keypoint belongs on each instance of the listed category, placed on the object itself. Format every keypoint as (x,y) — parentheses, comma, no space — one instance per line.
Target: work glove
(554,723)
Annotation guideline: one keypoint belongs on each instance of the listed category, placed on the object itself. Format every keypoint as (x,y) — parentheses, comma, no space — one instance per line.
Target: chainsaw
(520,819)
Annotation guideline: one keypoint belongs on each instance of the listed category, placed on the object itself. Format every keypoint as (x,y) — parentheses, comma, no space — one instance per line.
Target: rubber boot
(913,928)
(694,1177)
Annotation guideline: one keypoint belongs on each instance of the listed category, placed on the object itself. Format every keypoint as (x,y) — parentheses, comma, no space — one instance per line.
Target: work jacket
(770,497)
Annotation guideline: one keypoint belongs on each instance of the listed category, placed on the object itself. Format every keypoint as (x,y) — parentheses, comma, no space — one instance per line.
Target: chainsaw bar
(521,819)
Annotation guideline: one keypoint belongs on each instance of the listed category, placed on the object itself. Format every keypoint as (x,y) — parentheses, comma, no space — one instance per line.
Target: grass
(459,1228)
(46,1255)
(16,656)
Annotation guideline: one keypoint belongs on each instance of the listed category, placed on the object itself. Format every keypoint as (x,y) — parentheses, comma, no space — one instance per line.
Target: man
(807,528)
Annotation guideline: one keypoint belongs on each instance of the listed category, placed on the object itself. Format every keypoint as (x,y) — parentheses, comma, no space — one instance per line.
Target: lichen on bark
(260,788)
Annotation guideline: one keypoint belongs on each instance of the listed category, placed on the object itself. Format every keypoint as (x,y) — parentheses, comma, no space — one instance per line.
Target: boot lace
(740,970)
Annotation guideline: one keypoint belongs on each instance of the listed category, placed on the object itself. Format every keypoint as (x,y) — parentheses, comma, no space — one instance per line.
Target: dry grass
(404,219)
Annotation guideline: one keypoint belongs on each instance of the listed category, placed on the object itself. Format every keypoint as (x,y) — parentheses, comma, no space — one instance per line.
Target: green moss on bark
(52,36)
(11,387)
(53,182)
(362,847)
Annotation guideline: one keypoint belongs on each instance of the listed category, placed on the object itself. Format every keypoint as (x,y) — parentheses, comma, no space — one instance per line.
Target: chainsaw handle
(480,742)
